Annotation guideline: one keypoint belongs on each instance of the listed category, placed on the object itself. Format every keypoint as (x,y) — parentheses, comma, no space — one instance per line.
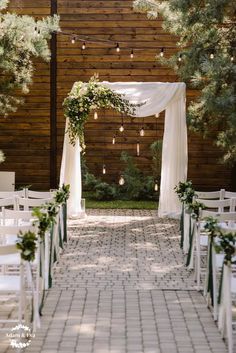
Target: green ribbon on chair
(64,211)
(210,273)
(191,233)
(182,227)
(221,284)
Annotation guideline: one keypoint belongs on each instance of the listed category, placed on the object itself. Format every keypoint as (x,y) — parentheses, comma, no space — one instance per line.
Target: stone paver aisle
(121,287)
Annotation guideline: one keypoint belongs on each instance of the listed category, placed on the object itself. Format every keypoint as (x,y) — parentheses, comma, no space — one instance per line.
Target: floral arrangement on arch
(91,96)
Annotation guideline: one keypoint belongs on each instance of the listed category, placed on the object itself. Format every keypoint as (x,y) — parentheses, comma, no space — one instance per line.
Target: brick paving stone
(121,286)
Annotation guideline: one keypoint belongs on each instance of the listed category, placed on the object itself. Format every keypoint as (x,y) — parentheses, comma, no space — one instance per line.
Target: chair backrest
(27,204)
(219,205)
(7,181)
(16,217)
(38,194)
(7,194)
(230,194)
(14,230)
(220,216)
(9,202)
(8,249)
(211,195)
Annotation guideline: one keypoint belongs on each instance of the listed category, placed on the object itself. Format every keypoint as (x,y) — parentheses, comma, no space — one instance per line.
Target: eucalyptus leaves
(87,97)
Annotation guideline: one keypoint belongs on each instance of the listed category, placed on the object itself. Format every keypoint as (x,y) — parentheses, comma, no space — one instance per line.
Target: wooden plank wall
(27,133)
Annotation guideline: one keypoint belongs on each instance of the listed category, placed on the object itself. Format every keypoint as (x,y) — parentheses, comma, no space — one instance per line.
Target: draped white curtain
(157,96)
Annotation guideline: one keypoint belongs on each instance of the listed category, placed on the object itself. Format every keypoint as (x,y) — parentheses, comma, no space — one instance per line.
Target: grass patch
(118,204)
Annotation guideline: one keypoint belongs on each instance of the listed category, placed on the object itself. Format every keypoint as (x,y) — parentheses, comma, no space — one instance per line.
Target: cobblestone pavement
(121,287)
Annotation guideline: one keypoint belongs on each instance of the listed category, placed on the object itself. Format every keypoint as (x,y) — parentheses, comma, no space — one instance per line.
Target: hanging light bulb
(162,52)
(121,180)
(180,58)
(156,186)
(232,58)
(95,116)
(121,128)
(83,46)
(157,115)
(132,54)
(142,132)
(104,169)
(73,40)
(117,48)
(212,55)
(113,140)
(138,149)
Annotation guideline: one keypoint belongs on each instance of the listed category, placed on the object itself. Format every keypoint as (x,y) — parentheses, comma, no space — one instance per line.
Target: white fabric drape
(157,96)
(71,174)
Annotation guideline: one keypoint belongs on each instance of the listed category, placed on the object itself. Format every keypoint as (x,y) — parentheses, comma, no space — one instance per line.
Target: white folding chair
(227,296)
(12,217)
(7,194)
(38,194)
(230,195)
(219,205)
(211,195)
(27,204)
(13,284)
(9,236)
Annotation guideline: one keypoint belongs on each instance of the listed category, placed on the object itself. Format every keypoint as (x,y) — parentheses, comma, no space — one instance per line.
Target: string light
(157,115)
(121,180)
(95,116)
(212,55)
(162,52)
(232,58)
(73,40)
(142,132)
(156,186)
(104,169)
(132,54)
(117,48)
(83,46)
(114,140)
(121,128)
(138,149)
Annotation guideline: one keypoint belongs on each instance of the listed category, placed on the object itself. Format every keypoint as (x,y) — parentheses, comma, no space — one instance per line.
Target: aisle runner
(126,249)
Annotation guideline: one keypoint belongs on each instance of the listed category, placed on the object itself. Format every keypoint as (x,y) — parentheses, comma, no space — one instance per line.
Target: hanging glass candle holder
(121,180)
(142,132)
(95,116)
(113,140)
(104,169)
(121,128)
(156,186)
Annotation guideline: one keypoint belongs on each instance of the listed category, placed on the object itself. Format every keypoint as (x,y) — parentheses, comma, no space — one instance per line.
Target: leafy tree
(22,38)
(205,60)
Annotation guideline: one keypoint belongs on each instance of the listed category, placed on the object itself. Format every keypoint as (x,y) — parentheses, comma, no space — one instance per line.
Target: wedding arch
(157,96)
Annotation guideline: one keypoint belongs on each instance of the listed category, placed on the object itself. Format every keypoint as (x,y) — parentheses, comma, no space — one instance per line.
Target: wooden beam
(53,104)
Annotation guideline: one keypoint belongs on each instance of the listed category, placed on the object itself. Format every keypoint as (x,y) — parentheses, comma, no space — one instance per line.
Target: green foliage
(195,208)
(185,192)
(86,97)
(27,244)
(105,192)
(207,45)
(137,186)
(226,241)
(62,194)
(156,151)
(22,38)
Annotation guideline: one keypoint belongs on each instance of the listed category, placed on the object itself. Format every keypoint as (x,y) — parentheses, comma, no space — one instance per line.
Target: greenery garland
(226,242)
(185,191)
(46,217)
(87,97)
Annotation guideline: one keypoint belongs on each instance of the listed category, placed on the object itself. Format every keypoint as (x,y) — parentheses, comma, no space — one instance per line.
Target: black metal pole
(53,104)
